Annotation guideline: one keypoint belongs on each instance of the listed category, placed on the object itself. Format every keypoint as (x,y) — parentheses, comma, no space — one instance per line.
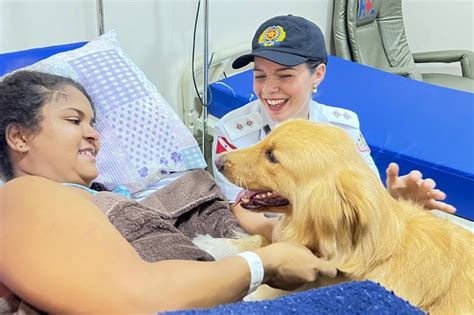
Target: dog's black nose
(220,162)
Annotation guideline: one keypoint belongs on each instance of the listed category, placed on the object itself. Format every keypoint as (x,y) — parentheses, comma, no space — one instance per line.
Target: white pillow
(142,138)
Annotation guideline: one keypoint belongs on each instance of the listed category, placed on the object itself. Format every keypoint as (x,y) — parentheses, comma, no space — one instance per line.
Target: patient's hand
(289,265)
(413,187)
(276,231)
(253,222)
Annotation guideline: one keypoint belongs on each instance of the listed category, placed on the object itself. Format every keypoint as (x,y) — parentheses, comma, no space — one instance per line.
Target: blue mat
(347,298)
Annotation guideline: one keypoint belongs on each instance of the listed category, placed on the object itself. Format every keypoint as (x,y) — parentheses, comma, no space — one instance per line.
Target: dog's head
(316,167)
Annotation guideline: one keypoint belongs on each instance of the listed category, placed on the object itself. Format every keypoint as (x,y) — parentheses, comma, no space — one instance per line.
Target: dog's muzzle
(220,163)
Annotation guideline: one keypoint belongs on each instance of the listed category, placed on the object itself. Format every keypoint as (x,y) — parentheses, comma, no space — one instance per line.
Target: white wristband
(256,269)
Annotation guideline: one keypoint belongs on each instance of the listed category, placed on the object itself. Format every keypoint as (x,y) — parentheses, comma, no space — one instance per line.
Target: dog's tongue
(248,201)
(245,195)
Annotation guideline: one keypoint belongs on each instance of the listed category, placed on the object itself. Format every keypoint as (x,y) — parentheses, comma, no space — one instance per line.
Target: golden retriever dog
(339,208)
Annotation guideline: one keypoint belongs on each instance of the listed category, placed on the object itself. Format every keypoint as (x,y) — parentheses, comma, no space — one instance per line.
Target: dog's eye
(271,156)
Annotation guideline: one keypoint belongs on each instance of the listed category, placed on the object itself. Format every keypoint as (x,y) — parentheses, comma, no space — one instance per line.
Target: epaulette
(243,125)
(340,116)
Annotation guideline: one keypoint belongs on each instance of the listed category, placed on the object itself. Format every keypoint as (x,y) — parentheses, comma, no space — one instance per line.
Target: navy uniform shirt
(247,125)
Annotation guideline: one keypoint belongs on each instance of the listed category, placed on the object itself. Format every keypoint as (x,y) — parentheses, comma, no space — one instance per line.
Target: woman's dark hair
(312,65)
(22,96)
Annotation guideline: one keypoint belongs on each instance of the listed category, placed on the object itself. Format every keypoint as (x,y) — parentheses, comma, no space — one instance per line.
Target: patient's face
(66,146)
(285,92)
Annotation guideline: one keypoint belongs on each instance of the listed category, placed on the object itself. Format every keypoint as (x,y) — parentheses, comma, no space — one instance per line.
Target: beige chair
(371,32)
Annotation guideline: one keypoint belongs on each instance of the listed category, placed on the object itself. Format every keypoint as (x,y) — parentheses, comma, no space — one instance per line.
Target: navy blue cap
(287,40)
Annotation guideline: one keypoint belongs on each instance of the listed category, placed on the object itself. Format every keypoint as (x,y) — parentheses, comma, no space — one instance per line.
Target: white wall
(157,34)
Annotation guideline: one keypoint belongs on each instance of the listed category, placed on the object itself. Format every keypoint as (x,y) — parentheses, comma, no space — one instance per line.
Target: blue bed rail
(22,58)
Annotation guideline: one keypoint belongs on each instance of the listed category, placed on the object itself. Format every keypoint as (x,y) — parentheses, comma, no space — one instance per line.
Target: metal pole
(206,76)
(100,16)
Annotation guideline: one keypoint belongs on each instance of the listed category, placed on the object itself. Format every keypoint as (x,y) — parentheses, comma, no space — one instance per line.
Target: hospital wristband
(256,269)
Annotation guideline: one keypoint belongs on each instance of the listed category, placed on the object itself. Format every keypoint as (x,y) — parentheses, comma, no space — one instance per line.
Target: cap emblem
(271,36)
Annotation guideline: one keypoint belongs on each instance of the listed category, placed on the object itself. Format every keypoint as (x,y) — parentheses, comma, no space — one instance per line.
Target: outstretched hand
(413,187)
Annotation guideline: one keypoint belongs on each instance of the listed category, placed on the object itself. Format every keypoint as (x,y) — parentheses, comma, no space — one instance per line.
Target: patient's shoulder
(341,116)
(26,192)
(17,192)
(25,184)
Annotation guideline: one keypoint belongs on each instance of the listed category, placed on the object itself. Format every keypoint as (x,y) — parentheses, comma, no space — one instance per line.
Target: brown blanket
(161,226)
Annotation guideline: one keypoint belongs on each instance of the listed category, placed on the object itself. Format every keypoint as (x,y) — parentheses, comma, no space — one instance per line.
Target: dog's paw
(265,292)
(216,247)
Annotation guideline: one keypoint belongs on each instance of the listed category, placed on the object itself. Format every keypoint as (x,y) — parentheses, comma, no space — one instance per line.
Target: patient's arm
(60,253)
(254,222)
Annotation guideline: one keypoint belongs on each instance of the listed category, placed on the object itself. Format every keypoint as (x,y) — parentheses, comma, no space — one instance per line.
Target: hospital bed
(189,103)
(313,300)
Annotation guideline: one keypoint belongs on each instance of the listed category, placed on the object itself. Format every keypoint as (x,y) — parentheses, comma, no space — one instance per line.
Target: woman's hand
(413,187)
(289,265)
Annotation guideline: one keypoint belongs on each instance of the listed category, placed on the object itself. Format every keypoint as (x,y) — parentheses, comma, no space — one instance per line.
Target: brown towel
(161,226)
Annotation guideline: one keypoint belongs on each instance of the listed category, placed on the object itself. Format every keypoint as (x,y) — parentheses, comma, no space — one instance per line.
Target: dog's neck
(378,240)
(356,242)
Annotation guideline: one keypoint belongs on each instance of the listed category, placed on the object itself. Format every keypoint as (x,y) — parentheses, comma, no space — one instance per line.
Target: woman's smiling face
(284,91)
(66,146)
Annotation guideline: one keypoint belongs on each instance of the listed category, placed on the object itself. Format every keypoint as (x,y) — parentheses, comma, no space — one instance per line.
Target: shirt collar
(316,113)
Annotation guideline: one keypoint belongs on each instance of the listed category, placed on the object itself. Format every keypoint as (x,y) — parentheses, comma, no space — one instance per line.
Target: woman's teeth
(275,103)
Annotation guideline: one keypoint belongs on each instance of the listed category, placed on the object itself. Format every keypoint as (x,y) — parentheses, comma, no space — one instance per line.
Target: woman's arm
(60,253)
(413,187)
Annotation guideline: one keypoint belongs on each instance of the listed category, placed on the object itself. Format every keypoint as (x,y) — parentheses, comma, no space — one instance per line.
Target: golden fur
(340,210)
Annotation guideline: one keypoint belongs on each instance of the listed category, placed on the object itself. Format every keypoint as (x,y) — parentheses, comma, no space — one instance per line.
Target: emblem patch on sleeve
(362,145)
(224,145)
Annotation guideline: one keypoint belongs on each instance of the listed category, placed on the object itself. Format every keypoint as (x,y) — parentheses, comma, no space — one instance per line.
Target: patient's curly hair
(22,97)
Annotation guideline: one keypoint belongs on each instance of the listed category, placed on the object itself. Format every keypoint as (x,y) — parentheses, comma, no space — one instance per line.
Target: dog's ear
(356,201)
(336,207)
